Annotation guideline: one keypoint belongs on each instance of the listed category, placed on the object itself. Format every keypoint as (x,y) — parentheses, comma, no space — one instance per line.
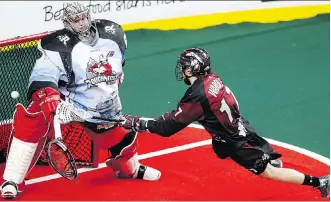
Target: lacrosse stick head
(66,113)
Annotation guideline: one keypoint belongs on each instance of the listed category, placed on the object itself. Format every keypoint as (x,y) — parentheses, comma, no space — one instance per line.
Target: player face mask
(179,71)
(77,19)
(182,64)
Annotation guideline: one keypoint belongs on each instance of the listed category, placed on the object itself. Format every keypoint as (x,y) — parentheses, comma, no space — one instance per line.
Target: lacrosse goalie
(82,63)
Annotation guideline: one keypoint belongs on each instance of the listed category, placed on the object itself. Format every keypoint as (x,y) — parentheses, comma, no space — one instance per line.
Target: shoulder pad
(59,41)
(111,30)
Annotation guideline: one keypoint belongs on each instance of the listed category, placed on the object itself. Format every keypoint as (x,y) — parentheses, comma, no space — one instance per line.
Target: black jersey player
(212,104)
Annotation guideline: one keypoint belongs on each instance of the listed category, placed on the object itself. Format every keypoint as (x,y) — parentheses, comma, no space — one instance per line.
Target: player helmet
(197,59)
(76,18)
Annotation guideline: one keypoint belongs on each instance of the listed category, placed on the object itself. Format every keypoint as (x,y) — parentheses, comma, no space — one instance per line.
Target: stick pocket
(59,156)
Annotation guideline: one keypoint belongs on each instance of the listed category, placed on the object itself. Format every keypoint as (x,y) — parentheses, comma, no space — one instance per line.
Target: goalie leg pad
(126,148)
(19,160)
(29,126)
(124,159)
(28,136)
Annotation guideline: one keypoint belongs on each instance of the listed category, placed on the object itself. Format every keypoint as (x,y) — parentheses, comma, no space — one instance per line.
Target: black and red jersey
(209,102)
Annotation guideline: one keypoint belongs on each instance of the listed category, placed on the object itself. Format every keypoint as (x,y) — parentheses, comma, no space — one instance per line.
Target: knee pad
(124,159)
(25,144)
(127,167)
(127,148)
(124,156)
(29,126)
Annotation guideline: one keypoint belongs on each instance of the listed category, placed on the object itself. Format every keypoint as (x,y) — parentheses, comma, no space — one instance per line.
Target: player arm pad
(165,128)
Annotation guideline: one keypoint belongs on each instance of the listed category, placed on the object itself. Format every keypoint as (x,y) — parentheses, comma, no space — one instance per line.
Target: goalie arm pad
(48,99)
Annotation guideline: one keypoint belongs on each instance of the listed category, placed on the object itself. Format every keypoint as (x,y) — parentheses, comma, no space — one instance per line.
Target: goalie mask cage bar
(17,58)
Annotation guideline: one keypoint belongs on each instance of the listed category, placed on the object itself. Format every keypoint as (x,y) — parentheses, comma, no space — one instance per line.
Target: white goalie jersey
(88,76)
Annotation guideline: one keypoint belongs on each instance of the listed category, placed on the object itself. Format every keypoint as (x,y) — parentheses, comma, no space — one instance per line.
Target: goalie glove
(135,123)
(48,99)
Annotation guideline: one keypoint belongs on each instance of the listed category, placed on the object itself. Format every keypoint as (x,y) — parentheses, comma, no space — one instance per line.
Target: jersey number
(225,107)
(179,111)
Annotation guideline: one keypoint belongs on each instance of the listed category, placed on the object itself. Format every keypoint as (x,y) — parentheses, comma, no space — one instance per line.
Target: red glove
(48,99)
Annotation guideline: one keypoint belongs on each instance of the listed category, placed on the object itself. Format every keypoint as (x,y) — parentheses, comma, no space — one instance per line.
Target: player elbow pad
(48,99)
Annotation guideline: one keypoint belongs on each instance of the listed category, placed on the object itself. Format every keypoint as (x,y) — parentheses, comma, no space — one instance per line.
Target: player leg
(262,144)
(224,150)
(258,162)
(26,143)
(122,145)
(253,138)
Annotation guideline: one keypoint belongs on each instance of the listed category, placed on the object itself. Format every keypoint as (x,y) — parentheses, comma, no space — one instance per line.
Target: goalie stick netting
(17,57)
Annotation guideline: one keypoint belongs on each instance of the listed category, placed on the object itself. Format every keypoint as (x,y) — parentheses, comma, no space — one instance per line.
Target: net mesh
(17,58)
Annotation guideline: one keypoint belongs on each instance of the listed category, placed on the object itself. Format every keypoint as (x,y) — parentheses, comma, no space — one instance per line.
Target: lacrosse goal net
(17,58)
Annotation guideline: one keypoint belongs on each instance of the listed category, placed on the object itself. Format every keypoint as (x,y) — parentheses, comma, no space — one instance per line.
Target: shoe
(9,190)
(143,172)
(324,186)
(277,163)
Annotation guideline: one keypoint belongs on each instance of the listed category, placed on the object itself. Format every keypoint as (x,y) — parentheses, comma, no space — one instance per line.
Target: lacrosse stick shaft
(57,127)
(67,113)
(105,119)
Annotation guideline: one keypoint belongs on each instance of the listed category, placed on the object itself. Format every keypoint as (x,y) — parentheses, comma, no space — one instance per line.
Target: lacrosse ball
(14,94)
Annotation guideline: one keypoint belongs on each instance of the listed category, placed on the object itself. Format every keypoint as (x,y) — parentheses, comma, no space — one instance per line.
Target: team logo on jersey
(64,39)
(99,71)
(110,29)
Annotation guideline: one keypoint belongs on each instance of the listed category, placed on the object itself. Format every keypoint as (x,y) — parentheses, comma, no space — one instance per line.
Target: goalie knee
(124,159)
(123,154)
(126,148)
(29,126)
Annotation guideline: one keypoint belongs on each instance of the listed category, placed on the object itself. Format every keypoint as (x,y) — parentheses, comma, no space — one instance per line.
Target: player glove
(135,123)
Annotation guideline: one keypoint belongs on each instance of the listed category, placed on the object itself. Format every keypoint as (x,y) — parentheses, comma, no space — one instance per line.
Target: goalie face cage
(17,58)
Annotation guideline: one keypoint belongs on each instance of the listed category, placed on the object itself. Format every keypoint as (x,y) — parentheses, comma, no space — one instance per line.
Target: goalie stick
(67,113)
(59,155)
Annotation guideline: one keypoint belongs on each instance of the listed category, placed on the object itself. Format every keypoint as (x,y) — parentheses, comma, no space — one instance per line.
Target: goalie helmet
(77,19)
(197,59)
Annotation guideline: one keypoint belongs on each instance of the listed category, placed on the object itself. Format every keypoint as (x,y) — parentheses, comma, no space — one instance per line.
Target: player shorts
(254,153)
